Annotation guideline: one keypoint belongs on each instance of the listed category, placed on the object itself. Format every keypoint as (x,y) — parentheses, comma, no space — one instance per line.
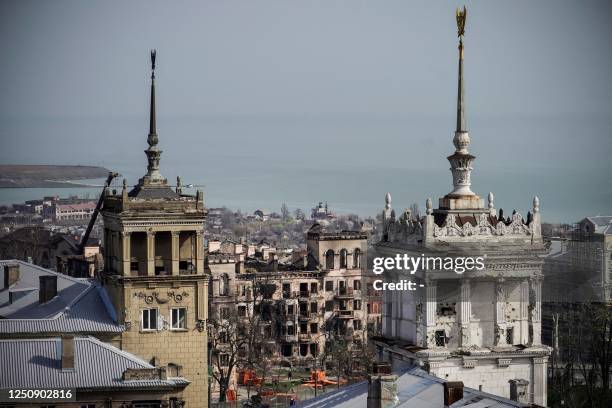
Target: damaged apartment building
(481,327)
(314,295)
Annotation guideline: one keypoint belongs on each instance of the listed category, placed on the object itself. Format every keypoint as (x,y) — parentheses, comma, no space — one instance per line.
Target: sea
(350,161)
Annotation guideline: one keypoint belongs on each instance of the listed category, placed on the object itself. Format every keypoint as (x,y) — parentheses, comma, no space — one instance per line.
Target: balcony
(304,337)
(303,294)
(344,293)
(290,338)
(345,314)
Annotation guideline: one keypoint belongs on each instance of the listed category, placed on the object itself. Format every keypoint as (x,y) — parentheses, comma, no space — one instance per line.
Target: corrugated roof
(35,363)
(80,306)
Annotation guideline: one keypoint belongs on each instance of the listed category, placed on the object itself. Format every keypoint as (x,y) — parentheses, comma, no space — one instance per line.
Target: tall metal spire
(153,153)
(461,161)
(461,17)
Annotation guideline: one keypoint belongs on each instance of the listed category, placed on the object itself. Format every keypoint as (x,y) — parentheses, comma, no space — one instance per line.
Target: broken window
(440,338)
(510,335)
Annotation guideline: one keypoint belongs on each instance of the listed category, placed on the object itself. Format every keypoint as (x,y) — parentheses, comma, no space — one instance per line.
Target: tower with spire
(479,325)
(154,270)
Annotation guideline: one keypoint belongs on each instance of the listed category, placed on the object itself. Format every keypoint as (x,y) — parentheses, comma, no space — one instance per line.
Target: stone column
(150,253)
(535,303)
(175,252)
(500,316)
(431,306)
(524,339)
(126,254)
(539,380)
(199,253)
(465,314)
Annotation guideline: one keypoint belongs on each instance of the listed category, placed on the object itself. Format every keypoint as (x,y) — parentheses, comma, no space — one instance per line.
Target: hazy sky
(75,58)
(304,101)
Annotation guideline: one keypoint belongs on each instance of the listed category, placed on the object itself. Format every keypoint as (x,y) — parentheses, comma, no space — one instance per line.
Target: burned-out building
(322,292)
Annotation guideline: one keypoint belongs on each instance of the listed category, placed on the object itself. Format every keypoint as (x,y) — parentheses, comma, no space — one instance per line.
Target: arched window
(343,257)
(357,258)
(224,285)
(329,259)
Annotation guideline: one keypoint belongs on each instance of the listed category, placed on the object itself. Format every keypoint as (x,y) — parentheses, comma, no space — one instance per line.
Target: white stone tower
(479,326)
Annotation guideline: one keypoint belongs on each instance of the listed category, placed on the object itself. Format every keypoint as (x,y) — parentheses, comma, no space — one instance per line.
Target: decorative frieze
(503,362)
(154,296)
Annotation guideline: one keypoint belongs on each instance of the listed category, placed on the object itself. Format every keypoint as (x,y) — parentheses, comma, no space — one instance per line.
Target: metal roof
(81,306)
(35,363)
(415,389)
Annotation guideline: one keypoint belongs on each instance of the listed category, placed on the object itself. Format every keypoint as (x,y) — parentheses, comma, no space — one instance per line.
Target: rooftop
(97,365)
(80,306)
(415,389)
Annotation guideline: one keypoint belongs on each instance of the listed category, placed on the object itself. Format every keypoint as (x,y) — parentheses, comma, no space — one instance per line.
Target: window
(290,310)
(224,285)
(329,306)
(329,286)
(510,335)
(357,324)
(223,337)
(314,287)
(286,290)
(224,312)
(357,284)
(329,259)
(242,311)
(343,256)
(178,318)
(357,258)
(440,338)
(87,405)
(314,328)
(224,360)
(356,304)
(313,307)
(149,319)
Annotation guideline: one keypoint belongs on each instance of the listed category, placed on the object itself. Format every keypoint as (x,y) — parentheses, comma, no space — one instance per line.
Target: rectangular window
(357,324)
(313,307)
(223,360)
(178,318)
(510,335)
(329,286)
(149,319)
(329,306)
(440,338)
(314,328)
(314,287)
(357,284)
(356,304)
(242,311)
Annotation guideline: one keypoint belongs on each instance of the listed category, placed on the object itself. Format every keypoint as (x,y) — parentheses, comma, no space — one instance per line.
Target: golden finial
(461,16)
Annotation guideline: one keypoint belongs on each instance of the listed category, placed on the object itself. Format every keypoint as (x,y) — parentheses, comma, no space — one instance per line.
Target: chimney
(11,275)
(453,392)
(67,353)
(382,387)
(519,390)
(47,289)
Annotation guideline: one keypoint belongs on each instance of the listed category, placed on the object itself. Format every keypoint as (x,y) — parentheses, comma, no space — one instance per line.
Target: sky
(74,79)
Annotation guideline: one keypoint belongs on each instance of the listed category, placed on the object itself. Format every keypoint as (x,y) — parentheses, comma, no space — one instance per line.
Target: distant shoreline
(47,176)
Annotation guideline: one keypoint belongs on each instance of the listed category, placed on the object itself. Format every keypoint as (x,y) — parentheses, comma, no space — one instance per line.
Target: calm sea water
(351,162)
